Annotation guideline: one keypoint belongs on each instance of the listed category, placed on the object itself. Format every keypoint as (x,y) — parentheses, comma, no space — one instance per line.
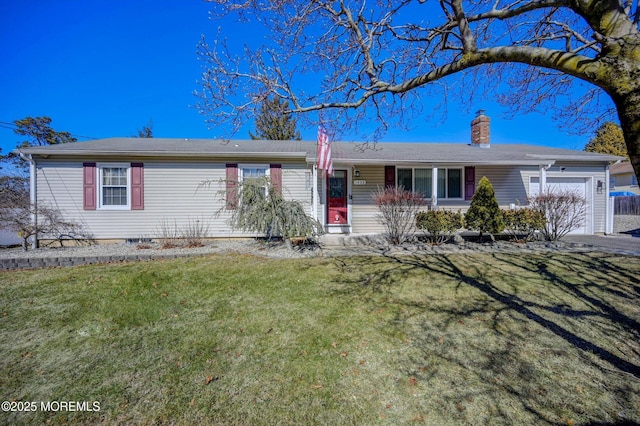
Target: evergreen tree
(273,124)
(484,214)
(608,140)
(39,132)
(146,131)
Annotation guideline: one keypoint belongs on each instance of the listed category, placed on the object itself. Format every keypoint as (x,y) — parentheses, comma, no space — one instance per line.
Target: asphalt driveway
(617,242)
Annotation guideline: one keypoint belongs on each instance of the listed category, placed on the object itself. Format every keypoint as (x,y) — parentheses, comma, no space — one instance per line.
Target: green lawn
(448,339)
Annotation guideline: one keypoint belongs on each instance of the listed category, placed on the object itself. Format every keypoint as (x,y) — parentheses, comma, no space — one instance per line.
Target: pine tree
(484,214)
(608,140)
(146,131)
(273,124)
(38,132)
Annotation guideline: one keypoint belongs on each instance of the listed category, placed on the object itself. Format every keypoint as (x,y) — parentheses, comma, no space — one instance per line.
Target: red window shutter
(232,186)
(469,182)
(89,185)
(276,177)
(137,186)
(389,176)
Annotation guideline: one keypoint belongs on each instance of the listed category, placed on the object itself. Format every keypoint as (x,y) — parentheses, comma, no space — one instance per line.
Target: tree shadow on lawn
(558,333)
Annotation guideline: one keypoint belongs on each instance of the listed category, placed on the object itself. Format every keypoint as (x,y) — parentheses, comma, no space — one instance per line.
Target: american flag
(324,151)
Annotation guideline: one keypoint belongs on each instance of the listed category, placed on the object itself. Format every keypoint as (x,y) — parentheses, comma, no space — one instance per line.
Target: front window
(257,174)
(114,186)
(420,181)
(405,179)
(450,183)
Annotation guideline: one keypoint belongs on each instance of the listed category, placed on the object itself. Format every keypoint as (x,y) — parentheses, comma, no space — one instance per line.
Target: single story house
(623,178)
(124,188)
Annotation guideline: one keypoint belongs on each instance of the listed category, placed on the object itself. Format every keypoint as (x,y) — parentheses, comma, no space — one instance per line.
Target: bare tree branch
(355,61)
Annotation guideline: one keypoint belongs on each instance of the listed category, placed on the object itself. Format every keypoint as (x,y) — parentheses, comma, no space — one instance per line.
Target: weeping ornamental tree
(257,206)
(378,60)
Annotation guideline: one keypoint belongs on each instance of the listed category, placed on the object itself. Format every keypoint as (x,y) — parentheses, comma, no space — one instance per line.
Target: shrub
(440,224)
(484,214)
(169,234)
(194,232)
(523,222)
(397,212)
(564,211)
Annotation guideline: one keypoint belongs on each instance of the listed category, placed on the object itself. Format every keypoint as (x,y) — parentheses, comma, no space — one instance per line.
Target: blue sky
(105,68)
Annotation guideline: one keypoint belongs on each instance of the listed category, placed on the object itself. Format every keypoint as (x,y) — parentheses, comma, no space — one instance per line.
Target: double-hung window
(252,174)
(420,181)
(114,190)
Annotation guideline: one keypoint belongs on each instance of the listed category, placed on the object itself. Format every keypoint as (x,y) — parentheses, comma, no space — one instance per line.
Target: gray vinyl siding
(597,199)
(297,184)
(174,194)
(508,183)
(363,211)
(511,184)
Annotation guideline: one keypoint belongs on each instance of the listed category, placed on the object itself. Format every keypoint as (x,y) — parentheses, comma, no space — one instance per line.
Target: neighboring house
(124,188)
(9,237)
(623,179)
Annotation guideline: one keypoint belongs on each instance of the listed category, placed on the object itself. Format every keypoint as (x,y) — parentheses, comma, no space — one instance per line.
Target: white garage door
(577,185)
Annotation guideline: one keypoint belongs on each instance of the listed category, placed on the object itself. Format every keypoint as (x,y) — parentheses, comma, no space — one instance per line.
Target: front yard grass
(238,339)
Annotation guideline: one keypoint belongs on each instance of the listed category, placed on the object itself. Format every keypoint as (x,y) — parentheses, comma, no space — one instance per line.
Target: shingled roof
(343,152)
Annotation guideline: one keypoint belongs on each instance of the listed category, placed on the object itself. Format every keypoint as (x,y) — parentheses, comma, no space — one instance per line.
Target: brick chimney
(480,130)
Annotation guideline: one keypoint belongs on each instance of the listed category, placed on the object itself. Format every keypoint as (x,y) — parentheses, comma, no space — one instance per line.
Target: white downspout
(608,208)
(543,178)
(315,191)
(434,188)
(33,196)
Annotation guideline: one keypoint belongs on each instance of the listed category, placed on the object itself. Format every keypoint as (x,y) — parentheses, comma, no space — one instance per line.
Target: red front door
(337,198)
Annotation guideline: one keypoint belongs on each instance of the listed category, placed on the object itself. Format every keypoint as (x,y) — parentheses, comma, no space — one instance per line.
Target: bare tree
(355,60)
(50,224)
(564,210)
(397,210)
(17,214)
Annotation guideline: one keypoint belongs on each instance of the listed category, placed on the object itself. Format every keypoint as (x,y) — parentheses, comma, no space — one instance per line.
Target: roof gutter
(377,162)
(192,154)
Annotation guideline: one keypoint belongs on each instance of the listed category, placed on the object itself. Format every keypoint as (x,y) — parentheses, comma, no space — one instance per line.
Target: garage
(578,185)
